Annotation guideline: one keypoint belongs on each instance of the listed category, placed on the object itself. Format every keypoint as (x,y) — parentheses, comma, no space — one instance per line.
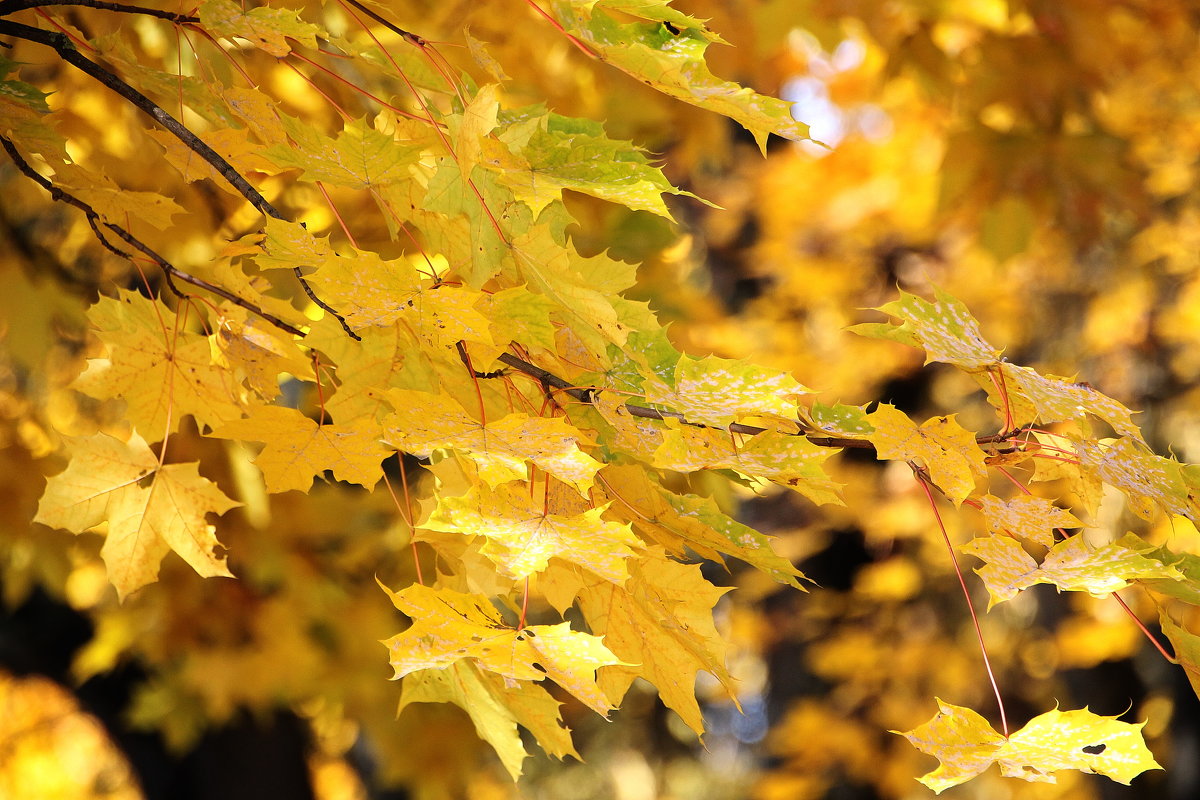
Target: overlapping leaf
(1071,565)
(668,55)
(161,371)
(297,448)
(450,626)
(966,745)
(719,391)
(150,510)
(1026,516)
(659,623)
(790,461)
(496,708)
(521,536)
(949,451)
(945,329)
(422,423)
(266,28)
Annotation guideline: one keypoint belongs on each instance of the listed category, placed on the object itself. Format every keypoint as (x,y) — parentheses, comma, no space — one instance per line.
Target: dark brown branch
(13,6)
(67,52)
(408,36)
(588,396)
(170,270)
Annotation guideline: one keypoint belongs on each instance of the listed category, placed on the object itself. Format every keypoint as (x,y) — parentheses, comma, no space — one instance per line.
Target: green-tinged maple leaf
(1026,516)
(359,158)
(1033,397)
(947,450)
(553,153)
(423,422)
(266,28)
(383,358)
(31,131)
(469,131)
(966,745)
(672,62)
(790,461)
(564,276)
(659,622)
(680,523)
(1071,565)
(719,391)
(1151,482)
(450,626)
(496,708)
(1188,564)
(518,314)
(1186,646)
(521,537)
(289,244)
(945,329)
(150,510)
(115,203)
(841,420)
(161,371)
(18,92)
(297,448)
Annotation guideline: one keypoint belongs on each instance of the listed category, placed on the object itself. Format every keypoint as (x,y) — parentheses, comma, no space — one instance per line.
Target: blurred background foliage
(1035,158)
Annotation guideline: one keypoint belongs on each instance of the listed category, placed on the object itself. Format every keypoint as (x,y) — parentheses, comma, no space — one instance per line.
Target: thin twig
(67,52)
(169,269)
(13,6)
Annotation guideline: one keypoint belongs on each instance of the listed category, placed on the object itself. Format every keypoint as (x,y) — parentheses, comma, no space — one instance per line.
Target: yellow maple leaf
(1029,517)
(449,626)
(719,391)
(790,461)
(966,745)
(297,448)
(150,510)
(660,622)
(949,451)
(496,708)
(424,422)
(521,537)
(160,371)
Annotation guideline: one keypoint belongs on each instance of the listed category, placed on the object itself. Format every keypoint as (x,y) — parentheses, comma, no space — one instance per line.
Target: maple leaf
(949,451)
(360,157)
(521,537)
(161,371)
(1031,518)
(557,152)
(659,623)
(945,329)
(297,448)
(719,391)
(1186,646)
(449,626)
(1148,480)
(115,203)
(1071,565)
(686,522)
(495,708)
(150,510)
(966,745)
(423,422)
(1032,397)
(266,28)
(790,461)
(672,61)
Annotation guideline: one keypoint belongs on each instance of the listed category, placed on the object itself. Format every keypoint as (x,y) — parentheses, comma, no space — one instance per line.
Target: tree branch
(169,269)
(589,396)
(66,50)
(13,6)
